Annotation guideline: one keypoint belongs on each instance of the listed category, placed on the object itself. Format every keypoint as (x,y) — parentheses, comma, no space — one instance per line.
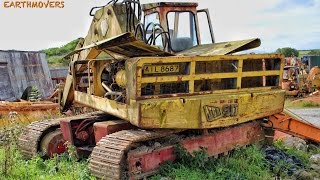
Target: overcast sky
(279,23)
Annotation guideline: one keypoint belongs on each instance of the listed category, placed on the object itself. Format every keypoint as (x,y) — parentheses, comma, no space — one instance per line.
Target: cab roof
(171,4)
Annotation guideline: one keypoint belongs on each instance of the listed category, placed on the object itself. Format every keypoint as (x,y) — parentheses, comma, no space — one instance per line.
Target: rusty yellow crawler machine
(162,84)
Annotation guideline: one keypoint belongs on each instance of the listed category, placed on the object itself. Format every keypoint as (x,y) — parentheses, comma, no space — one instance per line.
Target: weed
(304,156)
(59,167)
(243,163)
(14,166)
(301,104)
(195,159)
(8,141)
(310,104)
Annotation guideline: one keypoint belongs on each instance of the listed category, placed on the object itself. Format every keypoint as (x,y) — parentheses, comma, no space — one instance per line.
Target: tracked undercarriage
(137,153)
(161,86)
(45,137)
(29,140)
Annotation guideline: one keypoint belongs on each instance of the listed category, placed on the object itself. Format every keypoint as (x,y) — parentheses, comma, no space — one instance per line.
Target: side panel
(209,111)
(111,107)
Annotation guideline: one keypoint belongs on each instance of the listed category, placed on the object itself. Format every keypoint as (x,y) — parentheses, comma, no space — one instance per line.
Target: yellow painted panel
(249,107)
(209,111)
(176,113)
(109,106)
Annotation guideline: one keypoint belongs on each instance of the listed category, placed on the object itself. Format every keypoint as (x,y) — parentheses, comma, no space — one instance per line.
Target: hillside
(309,52)
(55,55)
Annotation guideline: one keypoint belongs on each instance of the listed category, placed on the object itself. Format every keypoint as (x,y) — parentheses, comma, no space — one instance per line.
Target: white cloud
(278,23)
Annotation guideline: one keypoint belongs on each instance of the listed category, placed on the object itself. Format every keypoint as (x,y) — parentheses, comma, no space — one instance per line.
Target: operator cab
(175,27)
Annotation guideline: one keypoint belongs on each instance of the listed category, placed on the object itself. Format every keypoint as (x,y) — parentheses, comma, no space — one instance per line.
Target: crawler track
(29,140)
(129,154)
(108,158)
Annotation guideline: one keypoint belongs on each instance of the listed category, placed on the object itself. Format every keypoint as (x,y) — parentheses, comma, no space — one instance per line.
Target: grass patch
(310,104)
(301,104)
(243,163)
(303,52)
(59,167)
(13,166)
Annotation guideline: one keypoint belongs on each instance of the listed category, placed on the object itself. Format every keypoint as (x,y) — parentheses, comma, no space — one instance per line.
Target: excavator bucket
(222,48)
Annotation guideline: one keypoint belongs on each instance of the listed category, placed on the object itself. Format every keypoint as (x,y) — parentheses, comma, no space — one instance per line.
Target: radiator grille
(198,74)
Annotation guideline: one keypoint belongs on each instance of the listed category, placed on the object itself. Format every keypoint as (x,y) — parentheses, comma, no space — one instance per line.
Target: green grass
(309,52)
(303,52)
(310,104)
(59,167)
(301,104)
(244,163)
(14,166)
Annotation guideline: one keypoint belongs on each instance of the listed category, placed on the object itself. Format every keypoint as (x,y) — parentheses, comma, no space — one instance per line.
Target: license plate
(161,69)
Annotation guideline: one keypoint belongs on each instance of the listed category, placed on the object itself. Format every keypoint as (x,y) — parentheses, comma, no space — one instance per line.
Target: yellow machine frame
(191,110)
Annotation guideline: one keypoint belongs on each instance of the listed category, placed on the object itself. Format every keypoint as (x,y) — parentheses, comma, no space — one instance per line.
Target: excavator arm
(113,22)
(104,25)
(290,123)
(67,96)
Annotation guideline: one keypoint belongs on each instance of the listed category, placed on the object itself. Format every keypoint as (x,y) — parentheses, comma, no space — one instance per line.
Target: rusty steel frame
(26,112)
(290,123)
(164,9)
(137,108)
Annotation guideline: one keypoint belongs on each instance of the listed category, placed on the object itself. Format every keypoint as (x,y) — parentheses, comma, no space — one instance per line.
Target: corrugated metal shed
(59,72)
(20,69)
(314,61)
(311,60)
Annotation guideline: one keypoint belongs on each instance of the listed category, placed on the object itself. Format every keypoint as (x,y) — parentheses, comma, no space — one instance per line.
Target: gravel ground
(312,115)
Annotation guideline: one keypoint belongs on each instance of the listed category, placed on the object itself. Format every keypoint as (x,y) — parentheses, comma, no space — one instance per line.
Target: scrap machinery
(157,78)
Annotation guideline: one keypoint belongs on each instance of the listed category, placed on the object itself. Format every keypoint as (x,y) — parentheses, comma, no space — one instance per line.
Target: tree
(288,52)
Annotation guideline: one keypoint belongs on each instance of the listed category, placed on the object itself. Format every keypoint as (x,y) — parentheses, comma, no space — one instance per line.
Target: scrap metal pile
(300,79)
